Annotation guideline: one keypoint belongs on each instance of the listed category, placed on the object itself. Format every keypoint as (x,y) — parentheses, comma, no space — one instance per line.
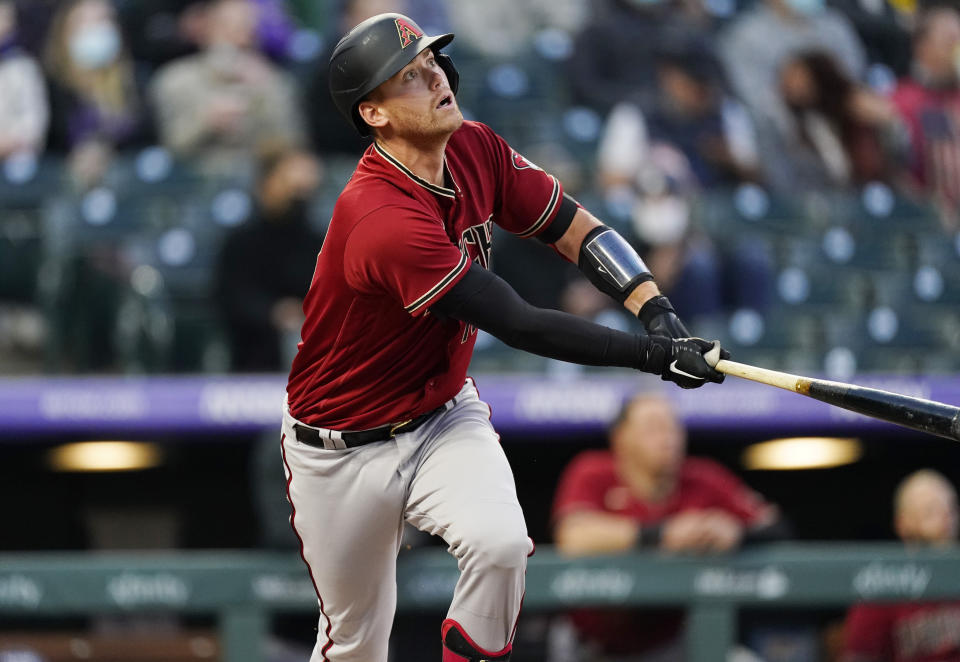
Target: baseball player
(381,424)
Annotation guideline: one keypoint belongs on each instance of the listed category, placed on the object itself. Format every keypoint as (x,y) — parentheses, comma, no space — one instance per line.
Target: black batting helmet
(374,51)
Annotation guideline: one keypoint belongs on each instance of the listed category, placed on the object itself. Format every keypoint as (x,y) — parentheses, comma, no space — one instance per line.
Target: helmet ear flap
(453,76)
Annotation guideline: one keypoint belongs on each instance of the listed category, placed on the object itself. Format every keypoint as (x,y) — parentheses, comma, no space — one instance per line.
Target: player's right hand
(689,362)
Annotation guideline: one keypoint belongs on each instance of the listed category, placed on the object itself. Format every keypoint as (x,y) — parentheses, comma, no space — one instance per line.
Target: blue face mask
(95,46)
(806,7)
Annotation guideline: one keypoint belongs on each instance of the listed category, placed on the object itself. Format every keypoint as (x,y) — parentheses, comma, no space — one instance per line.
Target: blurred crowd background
(789,169)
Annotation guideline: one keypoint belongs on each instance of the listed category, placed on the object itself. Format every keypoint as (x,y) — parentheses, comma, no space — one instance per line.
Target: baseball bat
(924,415)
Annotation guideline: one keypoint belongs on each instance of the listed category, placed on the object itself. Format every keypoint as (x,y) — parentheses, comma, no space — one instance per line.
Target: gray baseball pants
(449,477)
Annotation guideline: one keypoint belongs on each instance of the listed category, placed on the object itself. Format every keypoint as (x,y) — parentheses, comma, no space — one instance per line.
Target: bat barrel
(924,415)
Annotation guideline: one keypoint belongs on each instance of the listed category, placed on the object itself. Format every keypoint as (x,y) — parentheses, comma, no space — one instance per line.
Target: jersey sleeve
(405,254)
(529,198)
(582,487)
(867,632)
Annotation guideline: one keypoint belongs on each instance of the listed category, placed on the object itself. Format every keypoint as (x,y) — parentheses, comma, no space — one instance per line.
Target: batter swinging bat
(924,415)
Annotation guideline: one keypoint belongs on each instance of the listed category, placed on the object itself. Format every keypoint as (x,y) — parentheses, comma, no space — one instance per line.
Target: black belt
(332,440)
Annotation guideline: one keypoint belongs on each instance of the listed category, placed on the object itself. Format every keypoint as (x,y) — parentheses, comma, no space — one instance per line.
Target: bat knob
(712,355)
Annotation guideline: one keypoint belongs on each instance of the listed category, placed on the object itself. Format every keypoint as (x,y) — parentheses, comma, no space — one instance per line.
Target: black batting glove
(660,319)
(687,362)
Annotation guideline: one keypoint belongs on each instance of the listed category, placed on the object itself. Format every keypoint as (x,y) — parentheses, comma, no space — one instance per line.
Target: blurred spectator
(756,44)
(709,135)
(24,112)
(884,28)
(650,161)
(222,104)
(275,28)
(615,53)
(925,514)
(838,132)
(644,492)
(95,99)
(929,102)
(266,266)
(163,30)
(505,28)
(34,17)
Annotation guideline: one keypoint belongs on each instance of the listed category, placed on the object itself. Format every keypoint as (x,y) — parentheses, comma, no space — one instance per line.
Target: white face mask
(95,46)
(662,219)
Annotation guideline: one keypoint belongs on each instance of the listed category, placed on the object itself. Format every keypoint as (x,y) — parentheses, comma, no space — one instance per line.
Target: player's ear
(372,113)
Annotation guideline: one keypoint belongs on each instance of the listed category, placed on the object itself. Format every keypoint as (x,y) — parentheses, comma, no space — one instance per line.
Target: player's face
(418,102)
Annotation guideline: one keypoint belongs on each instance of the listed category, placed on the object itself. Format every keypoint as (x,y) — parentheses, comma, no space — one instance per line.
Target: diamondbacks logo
(477,242)
(521,163)
(408,32)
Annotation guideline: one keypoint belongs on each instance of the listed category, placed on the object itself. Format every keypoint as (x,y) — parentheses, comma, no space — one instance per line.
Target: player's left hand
(660,319)
(690,362)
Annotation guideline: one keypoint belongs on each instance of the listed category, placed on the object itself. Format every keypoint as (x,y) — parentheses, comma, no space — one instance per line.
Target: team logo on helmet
(408,33)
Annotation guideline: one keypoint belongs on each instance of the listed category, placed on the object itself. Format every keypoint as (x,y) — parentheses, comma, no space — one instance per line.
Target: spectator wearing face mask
(95,98)
(755,46)
(24,112)
(220,105)
(266,265)
(693,138)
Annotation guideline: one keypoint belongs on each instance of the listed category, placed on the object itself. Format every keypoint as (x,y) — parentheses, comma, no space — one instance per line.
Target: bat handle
(762,375)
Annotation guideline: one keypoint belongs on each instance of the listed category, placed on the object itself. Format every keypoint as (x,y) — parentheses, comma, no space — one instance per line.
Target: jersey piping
(554,196)
(432,292)
(433,188)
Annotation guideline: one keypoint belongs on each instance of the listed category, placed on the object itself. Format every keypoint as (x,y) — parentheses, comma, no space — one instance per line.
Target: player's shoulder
(372,186)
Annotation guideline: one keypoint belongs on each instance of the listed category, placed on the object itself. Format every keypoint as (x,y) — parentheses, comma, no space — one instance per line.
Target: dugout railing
(243,588)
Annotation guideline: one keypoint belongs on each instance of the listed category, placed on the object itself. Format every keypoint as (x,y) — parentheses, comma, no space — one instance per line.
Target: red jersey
(910,632)
(933,119)
(591,482)
(371,352)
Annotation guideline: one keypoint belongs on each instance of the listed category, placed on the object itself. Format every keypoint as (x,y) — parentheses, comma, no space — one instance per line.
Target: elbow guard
(611,263)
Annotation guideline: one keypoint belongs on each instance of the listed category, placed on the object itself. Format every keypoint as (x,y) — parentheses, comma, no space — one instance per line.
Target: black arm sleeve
(485,300)
(561,222)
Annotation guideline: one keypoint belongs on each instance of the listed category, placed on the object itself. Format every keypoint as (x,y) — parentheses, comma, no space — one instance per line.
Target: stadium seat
(20,253)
